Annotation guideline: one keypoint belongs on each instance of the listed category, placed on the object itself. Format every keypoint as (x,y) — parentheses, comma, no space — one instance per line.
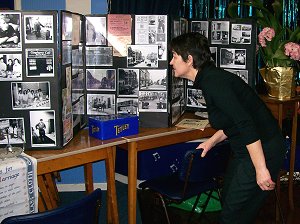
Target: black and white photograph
(177,87)
(39,28)
(176,28)
(78,82)
(214,53)
(243,74)
(220,32)
(12,131)
(153,79)
(30,95)
(99,56)
(40,62)
(77,57)
(101,104)
(95,30)
(66,52)
(78,103)
(195,98)
(142,56)
(10,31)
(101,79)
(42,125)
(67,26)
(200,27)
(241,33)
(153,101)
(128,82)
(184,25)
(233,58)
(10,67)
(127,106)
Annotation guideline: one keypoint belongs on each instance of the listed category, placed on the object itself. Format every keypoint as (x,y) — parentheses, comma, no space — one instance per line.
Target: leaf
(232,10)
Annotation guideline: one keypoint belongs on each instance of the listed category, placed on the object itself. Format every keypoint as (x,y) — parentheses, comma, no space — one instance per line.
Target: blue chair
(85,210)
(196,176)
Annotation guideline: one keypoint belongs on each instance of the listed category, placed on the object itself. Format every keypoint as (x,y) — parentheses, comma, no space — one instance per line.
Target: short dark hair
(194,44)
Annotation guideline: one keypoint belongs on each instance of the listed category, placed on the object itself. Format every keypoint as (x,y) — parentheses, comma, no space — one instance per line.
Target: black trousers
(242,198)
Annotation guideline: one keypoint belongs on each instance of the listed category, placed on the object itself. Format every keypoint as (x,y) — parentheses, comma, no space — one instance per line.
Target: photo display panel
(233,48)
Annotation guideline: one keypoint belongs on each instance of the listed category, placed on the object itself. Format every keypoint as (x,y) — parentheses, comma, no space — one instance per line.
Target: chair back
(85,210)
(199,169)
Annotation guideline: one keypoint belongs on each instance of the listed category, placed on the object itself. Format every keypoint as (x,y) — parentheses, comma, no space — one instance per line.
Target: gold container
(280,81)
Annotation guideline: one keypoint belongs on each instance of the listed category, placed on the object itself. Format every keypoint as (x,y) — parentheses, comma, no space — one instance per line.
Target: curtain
(144,7)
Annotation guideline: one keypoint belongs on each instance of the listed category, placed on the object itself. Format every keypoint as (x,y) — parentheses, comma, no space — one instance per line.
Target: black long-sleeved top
(234,107)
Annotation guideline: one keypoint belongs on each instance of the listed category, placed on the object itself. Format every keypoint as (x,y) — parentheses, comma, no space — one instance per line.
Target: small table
(282,109)
(150,138)
(83,150)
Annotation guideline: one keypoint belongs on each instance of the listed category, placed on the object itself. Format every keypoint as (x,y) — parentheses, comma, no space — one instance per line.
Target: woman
(239,115)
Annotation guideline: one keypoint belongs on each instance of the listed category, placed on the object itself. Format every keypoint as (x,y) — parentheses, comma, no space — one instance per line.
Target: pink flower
(266,34)
(293,50)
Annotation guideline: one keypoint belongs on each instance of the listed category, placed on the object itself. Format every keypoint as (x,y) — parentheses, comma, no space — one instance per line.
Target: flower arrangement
(278,45)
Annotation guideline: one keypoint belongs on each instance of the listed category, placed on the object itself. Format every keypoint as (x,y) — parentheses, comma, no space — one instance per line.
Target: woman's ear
(190,60)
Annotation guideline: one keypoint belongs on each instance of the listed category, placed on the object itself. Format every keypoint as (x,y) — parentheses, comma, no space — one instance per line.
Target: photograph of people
(10,31)
(10,67)
(240,116)
(30,95)
(42,125)
(12,128)
(39,28)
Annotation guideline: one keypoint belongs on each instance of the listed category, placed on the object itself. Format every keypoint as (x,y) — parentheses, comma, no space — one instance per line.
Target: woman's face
(180,67)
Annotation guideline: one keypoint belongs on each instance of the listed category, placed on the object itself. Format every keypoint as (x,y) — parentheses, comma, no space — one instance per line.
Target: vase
(280,81)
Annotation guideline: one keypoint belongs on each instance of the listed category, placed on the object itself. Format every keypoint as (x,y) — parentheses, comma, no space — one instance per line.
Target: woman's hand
(263,179)
(206,146)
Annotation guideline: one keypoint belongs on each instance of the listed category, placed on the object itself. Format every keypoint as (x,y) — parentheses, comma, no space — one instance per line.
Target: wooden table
(282,109)
(148,139)
(81,151)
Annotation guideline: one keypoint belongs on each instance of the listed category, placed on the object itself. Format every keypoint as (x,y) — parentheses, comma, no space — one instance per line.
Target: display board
(233,48)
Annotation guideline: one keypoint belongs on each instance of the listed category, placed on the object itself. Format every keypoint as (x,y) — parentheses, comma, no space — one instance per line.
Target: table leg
(132,181)
(88,175)
(112,206)
(292,157)
(44,193)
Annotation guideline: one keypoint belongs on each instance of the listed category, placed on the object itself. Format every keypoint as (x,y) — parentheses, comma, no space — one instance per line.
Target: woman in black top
(239,115)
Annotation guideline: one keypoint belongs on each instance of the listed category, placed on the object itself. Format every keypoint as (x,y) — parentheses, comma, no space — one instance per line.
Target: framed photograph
(101,79)
(100,104)
(67,25)
(153,101)
(13,129)
(40,62)
(99,56)
(127,106)
(220,32)
(10,31)
(128,82)
(39,28)
(241,33)
(195,98)
(66,52)
(153,79)
(243,74)
(42,125)
(30,95)
(233,58)
(10,67)
(143,56)
(77,57)
(214,53)
(78,79)
(95,30)
(200,27)
(78,103)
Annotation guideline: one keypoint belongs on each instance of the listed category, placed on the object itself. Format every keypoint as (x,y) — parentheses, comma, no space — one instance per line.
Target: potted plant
(278,46)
